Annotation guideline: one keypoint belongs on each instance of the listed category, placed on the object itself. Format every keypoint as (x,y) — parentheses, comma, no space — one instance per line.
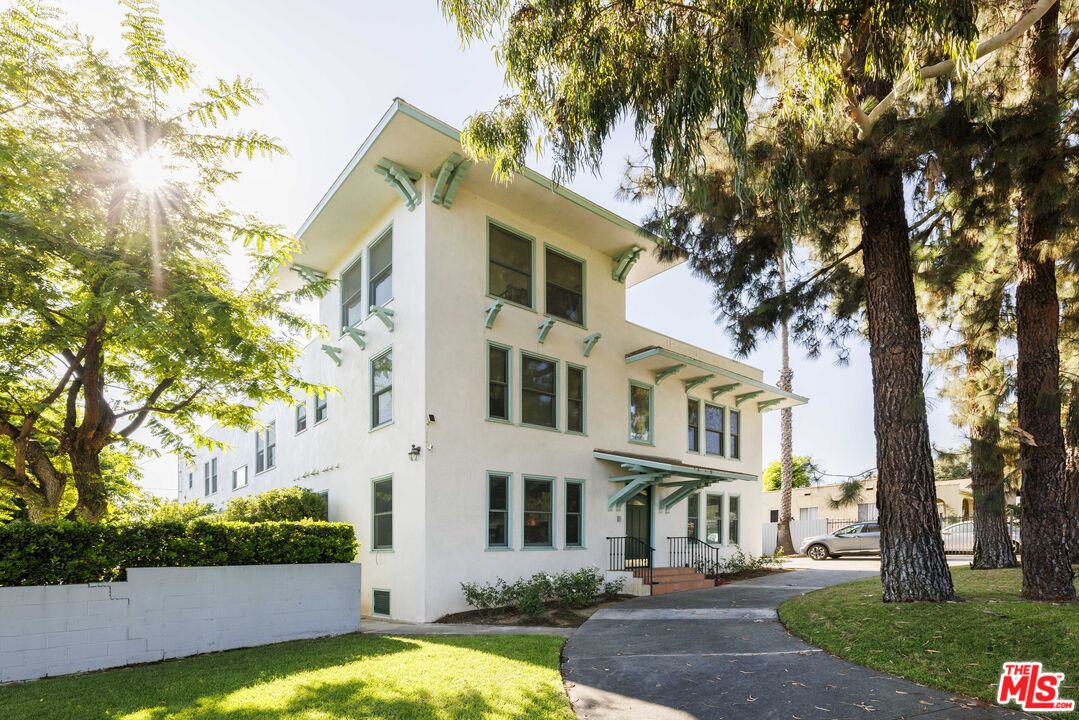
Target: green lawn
(953,646)
(352,676)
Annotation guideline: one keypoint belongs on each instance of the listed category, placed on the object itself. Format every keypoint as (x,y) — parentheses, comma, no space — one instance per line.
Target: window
(732,520)
(539,398)
(321,409)
(713,429)
(736,432)
(694,426)
(210,471)
(301,418)
(867,512)
(509,269)
(380,258)
(693,514)
(574,514)
(773,516)
(382,507)
(807,514)
(239,477)
(498,383)
(640,413)
(565,287)
(498,511)
(351,291)
(325,495)
(574,399)
(538,508)
(190,480)
(713,515)
(265,448)
(382,390)
(380,602)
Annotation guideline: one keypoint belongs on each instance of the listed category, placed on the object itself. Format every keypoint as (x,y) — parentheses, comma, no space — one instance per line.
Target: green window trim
(524,358)
(351,295)
(507,385)
(378,392)
(693,425)
(503,227)
(734,429)
(693,516)
(734,519)
(507,511)
(719,433)
(383,271)
(651,413)
(581,401)
(538,514)
(381,514)
(717,533)
(570,515)
(547,283)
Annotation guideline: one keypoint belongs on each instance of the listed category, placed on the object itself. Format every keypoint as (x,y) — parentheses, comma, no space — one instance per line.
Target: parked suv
(856,539)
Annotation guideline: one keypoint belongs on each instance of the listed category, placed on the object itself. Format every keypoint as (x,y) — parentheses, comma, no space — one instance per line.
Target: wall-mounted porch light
(414,453)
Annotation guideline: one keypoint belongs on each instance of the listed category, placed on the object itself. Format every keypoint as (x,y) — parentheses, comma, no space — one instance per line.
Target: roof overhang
(670,366)
(642,471)
(421,144)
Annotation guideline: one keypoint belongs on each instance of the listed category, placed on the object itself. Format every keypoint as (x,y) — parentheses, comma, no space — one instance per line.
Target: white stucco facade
(440,386)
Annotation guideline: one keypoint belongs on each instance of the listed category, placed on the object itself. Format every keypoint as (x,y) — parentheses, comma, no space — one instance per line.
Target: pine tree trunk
(1071,473)
(784,541)
(1047,574)
(913,563)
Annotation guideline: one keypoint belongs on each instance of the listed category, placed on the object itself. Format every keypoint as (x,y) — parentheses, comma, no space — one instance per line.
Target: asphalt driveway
(722,653)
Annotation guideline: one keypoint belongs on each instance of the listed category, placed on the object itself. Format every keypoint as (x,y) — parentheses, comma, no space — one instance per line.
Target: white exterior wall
(161,613)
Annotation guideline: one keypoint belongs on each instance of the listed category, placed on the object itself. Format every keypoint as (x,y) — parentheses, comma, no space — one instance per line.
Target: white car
(959,537)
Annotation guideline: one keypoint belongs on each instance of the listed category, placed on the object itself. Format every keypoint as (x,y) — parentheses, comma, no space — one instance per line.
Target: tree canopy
(805,473)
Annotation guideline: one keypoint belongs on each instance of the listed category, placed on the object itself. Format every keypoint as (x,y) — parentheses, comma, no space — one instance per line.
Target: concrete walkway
(722,653)
(381,627)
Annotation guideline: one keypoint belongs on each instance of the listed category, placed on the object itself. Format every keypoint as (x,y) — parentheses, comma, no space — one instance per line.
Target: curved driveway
(722,653)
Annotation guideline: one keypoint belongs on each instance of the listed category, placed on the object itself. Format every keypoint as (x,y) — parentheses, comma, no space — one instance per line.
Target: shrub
(572,589)
(613,588)
(530,600)
(577,589)
(739,562)
(291,503)
(67,551)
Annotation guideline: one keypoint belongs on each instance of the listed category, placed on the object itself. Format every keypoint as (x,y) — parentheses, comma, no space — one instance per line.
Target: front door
(639,527)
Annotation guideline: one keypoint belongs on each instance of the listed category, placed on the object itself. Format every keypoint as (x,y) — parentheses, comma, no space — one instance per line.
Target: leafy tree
(117,310)
(291,503)
(149,508)
(804,472)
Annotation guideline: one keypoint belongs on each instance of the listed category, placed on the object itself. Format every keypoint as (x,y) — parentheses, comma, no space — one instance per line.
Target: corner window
(732,520)
(351,292)
(640,413)
(538,510)
(575,399)
(693,514)
(574,514)
(694,426)
(565,287)
(539,399)
(382,390)
(239,477)
(498,511)
(713,518)
(321,408)
(382,514)
(498,383)
(509,266)
(265,448)
(736,433)
(301,418)
(380,259)
(713,429)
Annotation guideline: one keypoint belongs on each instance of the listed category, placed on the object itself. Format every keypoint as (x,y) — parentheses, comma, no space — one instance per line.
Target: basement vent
(382,602)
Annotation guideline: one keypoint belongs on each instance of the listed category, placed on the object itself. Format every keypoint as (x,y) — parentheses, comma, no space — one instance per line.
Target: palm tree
(850,493)
(784,541)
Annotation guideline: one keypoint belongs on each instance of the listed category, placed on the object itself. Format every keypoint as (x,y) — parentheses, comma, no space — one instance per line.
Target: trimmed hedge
(68,551)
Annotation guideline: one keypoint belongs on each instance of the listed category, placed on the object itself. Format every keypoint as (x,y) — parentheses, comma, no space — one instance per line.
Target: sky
(329,70)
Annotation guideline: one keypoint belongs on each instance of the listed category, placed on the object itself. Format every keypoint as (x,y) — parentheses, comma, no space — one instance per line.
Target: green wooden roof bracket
(492,312)
(544,328)
(448,178)
(624,262)
(739,399)
(334,353)
(309,274)
(667,372)
(358,336)
(384,314)
(626,493)
(695,381)
(678,495)
(590,342)
(720,389)
(766,405)
(643,473)
(402,180)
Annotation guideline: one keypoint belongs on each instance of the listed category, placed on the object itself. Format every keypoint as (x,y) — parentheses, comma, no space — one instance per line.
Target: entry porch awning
(642,471)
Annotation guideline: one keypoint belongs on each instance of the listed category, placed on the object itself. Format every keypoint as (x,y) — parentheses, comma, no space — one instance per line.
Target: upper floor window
(713,429)
(352,310)
(736,432)
(210,470)
(239,477)
(575,399)
(301,417)
(539,394)
(694,425)
(498,383)
(640,413)
(265,448)
(382,389)
(321,408)
(190,480)
(509,267)
(380,258)
(565,287)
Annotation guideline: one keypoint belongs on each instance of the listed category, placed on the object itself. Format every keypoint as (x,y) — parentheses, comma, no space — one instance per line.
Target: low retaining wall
(163,613)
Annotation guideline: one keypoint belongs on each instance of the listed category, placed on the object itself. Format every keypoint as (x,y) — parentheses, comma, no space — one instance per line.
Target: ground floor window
(574,514)
(713,518)
(807,514)
(498,510)
(538,511)
(382,507)
(693,513)
(733,538)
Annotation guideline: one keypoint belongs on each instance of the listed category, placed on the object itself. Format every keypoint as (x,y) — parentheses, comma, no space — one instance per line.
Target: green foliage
(805,473)
(850,494)
(154,509)
(952,464)
(291,503)
(67,551)
(613,588)
(740,563)
(571,589)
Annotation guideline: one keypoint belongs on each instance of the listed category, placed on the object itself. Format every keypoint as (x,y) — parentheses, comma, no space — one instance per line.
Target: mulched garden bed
(554,616)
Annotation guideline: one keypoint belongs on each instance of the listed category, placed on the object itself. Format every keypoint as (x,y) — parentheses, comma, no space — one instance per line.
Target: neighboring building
(496,415)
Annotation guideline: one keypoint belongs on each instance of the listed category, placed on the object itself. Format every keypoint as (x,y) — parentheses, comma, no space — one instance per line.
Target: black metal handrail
(685,551)
(626,553)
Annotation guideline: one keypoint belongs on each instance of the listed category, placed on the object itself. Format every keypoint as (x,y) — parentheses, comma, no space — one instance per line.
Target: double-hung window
(574,399)
(382,513)
(498,383)
(382,390)
(539,391)
(565,287)
(538,512)
(321,408)
(301,417)
(693,514)
(239,477)
(352,310)
(713,518)
(509,265)
(640,413)
(380,261)
(736,434)
(732,520)
(713,429)
(265,448)
(211,476)
(498,511)
(574,513)
(693,425)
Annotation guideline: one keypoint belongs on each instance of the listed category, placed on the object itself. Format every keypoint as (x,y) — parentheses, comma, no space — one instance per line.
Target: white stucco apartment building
(496,414)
